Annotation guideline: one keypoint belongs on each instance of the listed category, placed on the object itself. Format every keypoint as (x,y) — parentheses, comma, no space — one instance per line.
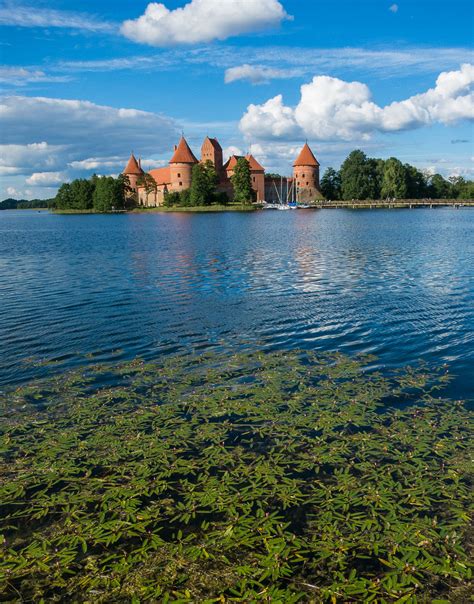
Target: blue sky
(391,78)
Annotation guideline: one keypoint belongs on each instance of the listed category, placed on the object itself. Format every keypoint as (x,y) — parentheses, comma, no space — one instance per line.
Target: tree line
(362,177)
(24,204)
(99,193)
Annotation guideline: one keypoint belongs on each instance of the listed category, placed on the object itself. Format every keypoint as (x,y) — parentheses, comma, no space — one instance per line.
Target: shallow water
(395,283)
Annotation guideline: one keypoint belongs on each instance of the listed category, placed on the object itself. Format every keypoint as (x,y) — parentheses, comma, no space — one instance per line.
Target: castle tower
(306,175)
(133,170)
(181,165)
(257,174)
(212,151)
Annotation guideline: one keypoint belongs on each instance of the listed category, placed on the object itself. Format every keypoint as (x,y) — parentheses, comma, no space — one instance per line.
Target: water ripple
(399,284)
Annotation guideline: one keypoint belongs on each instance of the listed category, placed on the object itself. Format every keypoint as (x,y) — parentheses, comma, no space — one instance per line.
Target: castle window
(302,176)
(254,179)
(179,175)
(307,183)
(180,184)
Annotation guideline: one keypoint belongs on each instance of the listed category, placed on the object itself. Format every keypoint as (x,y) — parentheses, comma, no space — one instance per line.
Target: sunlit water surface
(395,283)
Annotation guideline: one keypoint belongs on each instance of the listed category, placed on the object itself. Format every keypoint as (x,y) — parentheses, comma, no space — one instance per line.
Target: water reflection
(395,283)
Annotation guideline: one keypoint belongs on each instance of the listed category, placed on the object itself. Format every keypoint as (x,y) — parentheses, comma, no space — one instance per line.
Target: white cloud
(202,21)
(270,120)
(30,16)
(231,150)
(22,159)
(394,8)
(20,76)
(93,163)
(49,140)
(258,74)
(330,108)
(84,127)
(15,193)
(45,179)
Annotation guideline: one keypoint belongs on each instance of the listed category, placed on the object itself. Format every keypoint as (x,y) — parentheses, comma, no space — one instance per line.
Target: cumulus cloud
(202,21)
(259,74)
(270,120)
(393,8)
(330,108)
(45,179)
(31,16)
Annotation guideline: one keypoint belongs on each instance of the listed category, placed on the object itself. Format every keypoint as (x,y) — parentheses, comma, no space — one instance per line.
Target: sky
(85,83)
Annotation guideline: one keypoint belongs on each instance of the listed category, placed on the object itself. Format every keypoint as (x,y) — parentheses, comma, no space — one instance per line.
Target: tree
(331,184)
(63,200)
(109,194)
(439,187)
(82,192)
(203,184)
(394,183)
(467,190)
(147,181)
(199,186)
(241,181)
(358,177)
(172,198)
(416,183)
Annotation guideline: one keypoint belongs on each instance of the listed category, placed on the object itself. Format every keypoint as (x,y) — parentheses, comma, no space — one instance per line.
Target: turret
(181,165)
(306,174)
(133,170)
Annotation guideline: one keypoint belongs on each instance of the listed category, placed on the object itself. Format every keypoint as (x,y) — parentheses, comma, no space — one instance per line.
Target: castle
(302,187)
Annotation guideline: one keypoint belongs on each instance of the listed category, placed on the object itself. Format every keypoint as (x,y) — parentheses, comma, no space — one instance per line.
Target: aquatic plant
(250,477)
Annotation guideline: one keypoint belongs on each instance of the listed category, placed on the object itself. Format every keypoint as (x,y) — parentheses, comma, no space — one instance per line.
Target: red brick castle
(303,186)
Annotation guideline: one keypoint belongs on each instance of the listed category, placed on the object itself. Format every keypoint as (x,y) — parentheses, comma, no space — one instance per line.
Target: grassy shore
(224,477)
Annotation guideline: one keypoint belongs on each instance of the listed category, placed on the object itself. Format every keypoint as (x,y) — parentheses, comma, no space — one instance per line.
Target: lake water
(395,283)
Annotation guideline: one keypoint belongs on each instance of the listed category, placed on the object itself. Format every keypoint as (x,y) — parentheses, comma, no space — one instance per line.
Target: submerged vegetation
(251,477)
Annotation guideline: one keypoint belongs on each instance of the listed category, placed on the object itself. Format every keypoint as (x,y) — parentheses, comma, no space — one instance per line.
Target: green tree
(185,198)
(212,179)
(200,186)
(394,183)
(147,181)
(109,194)
(439,188)
(63,199)
(467,190)
(378,168)
(241,181)
(172,198)
(331,184)
(358,177)
(82,192)
(416,183)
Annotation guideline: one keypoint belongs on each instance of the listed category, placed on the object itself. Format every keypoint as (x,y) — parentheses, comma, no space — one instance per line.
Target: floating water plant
(253,477)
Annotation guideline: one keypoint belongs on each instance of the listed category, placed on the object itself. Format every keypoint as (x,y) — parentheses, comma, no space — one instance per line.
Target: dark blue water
(396,283)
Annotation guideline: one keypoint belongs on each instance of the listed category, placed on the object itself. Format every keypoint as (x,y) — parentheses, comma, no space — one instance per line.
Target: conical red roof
(183,154)
(132,166)
(253,163)
(306,157)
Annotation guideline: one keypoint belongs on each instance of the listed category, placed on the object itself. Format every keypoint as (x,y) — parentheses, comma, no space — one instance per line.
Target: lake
(398,284)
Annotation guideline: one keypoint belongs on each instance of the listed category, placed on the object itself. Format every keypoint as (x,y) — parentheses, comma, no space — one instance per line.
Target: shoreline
(355,205)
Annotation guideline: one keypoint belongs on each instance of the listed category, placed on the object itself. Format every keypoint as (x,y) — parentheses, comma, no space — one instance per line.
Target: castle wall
(180,177)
